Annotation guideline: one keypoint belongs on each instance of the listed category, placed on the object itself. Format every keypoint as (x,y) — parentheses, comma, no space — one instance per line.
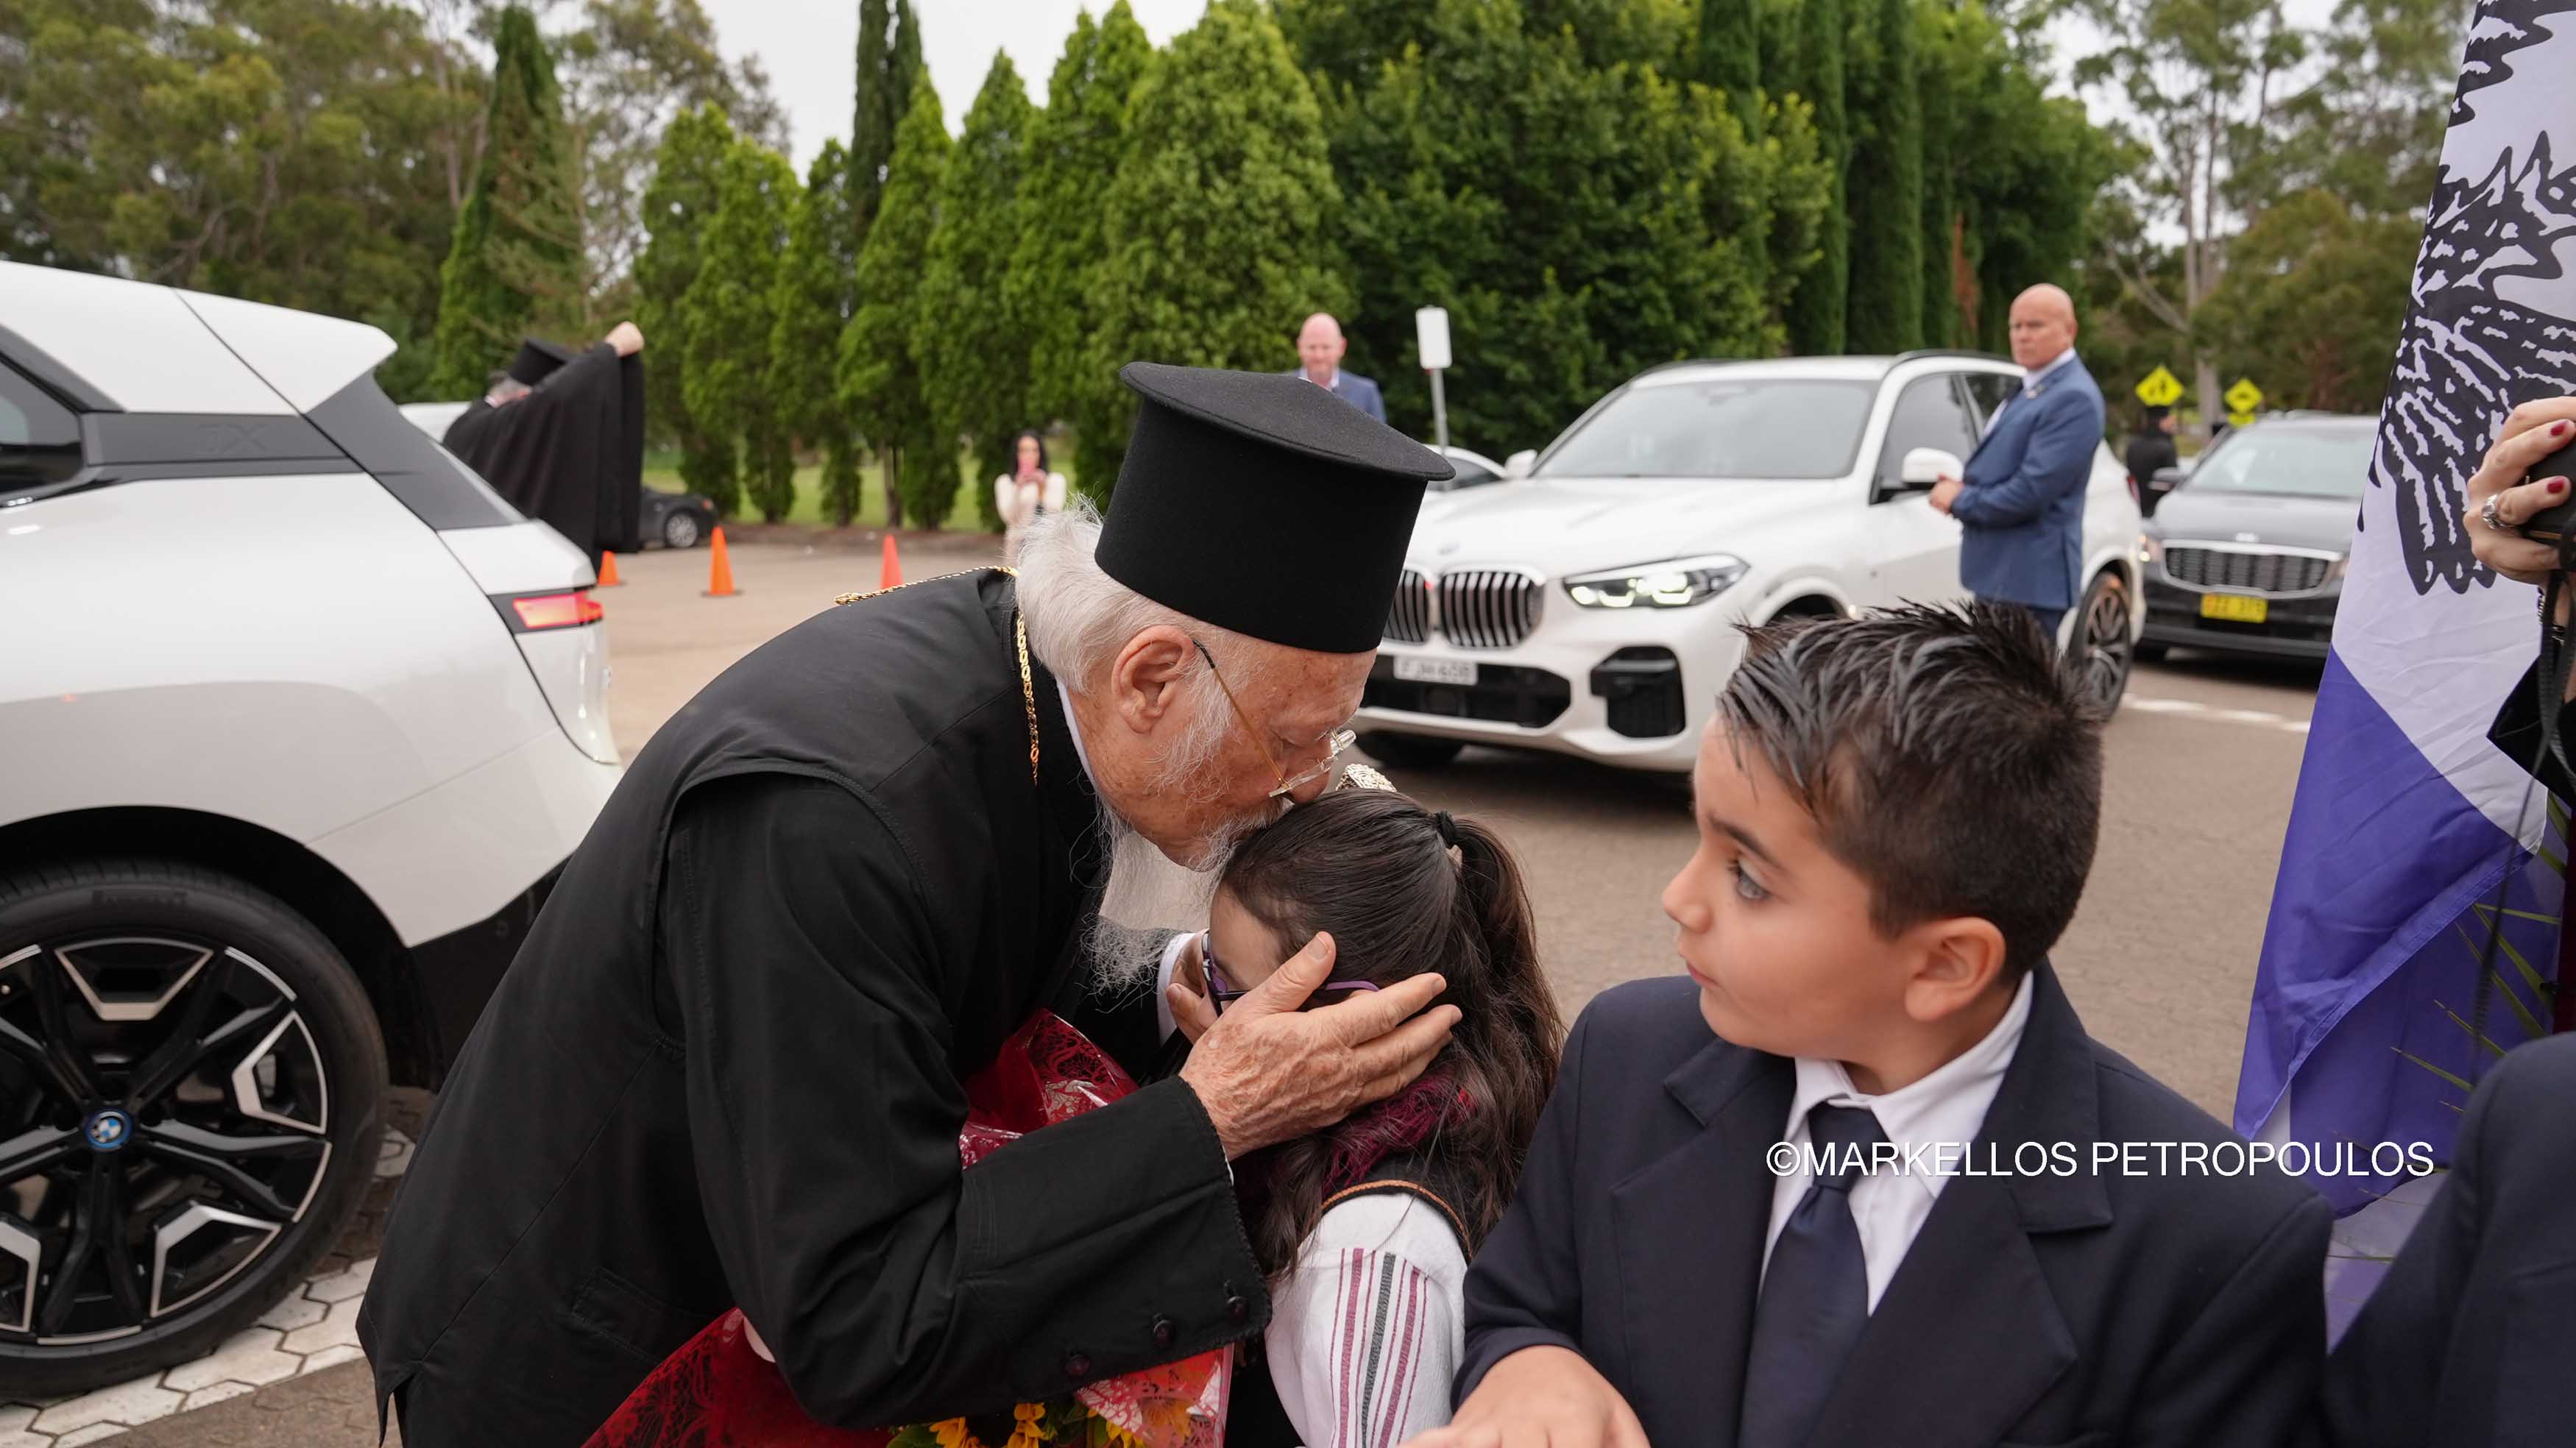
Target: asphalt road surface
(2159,961)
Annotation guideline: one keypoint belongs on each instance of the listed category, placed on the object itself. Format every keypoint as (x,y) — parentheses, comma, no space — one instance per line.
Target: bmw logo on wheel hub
(107,1130)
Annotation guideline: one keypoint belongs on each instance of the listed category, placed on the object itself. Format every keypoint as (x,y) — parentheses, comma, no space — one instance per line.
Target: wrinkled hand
(1269,1072)
(627,338)
(1541,1397)
(2532,432)
(1945,492)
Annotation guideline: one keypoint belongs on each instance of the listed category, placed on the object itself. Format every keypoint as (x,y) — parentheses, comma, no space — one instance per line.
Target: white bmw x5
(1589,604)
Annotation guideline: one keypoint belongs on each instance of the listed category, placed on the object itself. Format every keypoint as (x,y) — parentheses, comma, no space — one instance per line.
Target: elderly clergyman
(2021,504)
(726,1068)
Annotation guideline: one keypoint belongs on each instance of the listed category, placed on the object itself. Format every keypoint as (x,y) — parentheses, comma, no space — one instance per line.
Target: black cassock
(571,452)
(725,1069)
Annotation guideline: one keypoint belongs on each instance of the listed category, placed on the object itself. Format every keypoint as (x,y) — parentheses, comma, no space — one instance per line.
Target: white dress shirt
(1948,1106)
(2030,380)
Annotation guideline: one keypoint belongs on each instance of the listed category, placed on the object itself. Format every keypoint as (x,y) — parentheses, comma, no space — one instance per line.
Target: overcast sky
(809,47)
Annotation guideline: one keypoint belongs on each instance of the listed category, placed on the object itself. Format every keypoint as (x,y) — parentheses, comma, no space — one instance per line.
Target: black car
(2246,553)
(676,520)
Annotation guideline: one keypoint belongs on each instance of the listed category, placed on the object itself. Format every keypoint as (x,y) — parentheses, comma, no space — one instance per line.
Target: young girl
(1366,1229)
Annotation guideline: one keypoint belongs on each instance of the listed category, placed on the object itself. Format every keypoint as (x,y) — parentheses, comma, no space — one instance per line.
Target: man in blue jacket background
(2021,505)
(1319,360)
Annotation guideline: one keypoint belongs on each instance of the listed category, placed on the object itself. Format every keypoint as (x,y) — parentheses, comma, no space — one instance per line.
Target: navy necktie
(1815,1293)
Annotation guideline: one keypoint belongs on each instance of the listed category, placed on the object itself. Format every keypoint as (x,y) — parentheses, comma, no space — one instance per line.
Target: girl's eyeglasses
(1340,740)
(1221,993)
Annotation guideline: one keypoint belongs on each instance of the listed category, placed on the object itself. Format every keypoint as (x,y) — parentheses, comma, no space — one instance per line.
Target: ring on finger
(2487,514)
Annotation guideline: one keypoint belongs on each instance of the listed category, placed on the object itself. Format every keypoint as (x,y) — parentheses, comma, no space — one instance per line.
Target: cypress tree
(514,264)
(889,57)
(677,206)
(729,325)
(879,373)
(974,353)
(817,291)
(1223,223)
(1817,311)
(1885,193)
(1055,271)
(1941,324)
(1730,56)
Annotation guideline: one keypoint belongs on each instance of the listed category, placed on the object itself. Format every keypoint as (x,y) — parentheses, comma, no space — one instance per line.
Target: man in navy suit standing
(2022,502)
(1319,360)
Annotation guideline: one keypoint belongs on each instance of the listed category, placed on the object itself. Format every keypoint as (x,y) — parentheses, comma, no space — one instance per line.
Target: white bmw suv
(298,719)
(1589,604)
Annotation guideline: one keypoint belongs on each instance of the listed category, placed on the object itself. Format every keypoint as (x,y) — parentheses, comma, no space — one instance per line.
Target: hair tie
(1447,827)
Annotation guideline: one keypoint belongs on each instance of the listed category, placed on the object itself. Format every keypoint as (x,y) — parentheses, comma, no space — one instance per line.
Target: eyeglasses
(1221,995)
(1341,738)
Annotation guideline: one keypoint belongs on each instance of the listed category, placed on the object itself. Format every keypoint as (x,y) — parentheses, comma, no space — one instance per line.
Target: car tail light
(532,612)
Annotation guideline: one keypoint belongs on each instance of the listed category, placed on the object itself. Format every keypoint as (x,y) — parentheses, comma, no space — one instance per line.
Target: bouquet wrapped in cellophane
(720,1390)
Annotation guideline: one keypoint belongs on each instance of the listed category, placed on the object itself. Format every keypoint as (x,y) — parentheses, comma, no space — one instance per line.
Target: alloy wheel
(2107,645)
(178,1123)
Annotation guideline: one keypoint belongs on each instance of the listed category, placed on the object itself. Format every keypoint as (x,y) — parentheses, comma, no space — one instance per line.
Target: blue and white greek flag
(2407,823)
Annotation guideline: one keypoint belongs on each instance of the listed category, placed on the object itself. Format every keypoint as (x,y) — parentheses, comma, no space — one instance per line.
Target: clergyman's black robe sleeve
(569,451)
(823,1112)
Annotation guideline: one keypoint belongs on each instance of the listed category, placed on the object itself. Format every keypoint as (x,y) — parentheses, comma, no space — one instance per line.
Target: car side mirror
(1925,466)
(1518,465)
(2153,490)
(1916,472)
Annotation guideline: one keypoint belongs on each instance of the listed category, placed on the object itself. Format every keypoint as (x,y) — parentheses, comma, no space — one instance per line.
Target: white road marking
(2192,708)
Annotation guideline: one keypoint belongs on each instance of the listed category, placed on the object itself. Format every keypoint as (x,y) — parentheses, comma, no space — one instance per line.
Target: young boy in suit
(1720,1237)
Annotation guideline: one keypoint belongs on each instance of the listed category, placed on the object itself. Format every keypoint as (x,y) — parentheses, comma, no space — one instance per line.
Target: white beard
(1149,897)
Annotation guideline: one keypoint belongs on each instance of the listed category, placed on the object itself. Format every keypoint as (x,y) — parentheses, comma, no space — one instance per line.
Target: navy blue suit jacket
(2023,509)
(2151,1311)
(1354,389)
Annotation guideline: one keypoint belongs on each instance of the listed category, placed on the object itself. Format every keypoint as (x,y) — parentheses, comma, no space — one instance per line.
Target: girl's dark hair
(1374,869)
(1032,435)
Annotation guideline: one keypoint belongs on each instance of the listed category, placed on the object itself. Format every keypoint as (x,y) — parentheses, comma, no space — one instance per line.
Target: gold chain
(1019,630)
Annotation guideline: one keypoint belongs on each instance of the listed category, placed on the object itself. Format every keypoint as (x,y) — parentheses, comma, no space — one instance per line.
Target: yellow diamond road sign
(2244,396)
(2160,389)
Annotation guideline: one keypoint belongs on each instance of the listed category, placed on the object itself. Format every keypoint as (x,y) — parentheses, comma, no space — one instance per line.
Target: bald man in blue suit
(1319,360)
(2021,504)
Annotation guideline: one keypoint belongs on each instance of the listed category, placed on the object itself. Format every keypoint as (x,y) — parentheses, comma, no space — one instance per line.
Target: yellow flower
(953,1434)
(1032,1428)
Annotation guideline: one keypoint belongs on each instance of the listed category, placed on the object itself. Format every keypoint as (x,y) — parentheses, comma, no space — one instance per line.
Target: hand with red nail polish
(2533,433)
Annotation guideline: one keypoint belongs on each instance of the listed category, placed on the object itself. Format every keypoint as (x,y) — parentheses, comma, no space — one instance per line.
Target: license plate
(1415,669)
(2235,608)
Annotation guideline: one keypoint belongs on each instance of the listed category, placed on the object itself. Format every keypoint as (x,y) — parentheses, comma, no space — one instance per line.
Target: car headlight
(2342,566)
(2151,549)
(1677,583)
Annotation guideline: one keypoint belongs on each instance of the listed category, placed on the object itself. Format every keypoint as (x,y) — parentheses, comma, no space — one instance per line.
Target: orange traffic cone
(719,569)
(890,573)
(608,570)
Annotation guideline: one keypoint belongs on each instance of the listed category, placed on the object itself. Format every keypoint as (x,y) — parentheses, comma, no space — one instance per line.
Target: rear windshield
(1719,428)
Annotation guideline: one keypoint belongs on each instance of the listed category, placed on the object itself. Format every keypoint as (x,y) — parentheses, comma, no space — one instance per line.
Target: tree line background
(1589,186)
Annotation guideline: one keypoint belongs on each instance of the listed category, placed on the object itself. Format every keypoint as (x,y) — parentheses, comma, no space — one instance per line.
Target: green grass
(662,470)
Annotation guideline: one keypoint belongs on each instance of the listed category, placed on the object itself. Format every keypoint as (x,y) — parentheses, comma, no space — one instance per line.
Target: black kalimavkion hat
(1264,504)
(537,360)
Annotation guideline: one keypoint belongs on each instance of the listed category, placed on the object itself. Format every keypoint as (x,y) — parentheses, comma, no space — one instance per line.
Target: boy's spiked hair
(1948,757)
